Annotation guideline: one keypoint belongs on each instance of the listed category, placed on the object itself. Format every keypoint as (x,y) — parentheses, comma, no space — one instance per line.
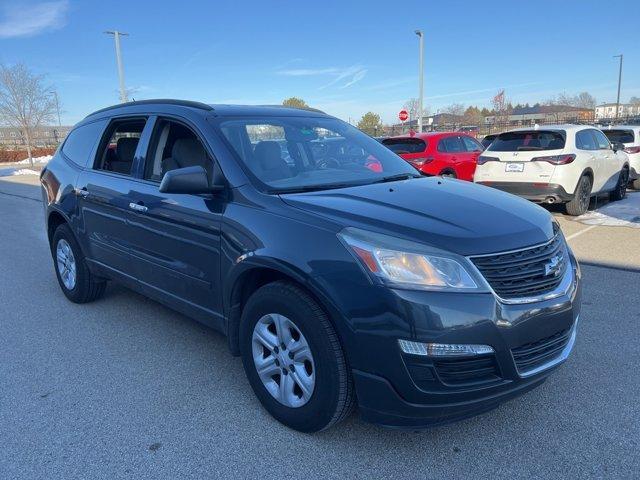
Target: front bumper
(399,390)
(536,192)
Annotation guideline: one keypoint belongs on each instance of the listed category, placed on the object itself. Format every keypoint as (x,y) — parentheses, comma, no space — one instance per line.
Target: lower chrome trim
(566,351)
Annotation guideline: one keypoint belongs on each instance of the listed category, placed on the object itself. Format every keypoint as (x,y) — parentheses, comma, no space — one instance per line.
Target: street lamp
(619,82)
(421,78)
(116,35)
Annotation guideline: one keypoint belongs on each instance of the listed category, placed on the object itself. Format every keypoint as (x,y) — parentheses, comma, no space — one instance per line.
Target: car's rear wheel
(580,202)
(448,174)
(293,358)
(78,284)
(621,188)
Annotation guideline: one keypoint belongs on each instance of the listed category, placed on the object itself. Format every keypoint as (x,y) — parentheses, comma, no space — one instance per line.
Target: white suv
(555,163)
(629,135)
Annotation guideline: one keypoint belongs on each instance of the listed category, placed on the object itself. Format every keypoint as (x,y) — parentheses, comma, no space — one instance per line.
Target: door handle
(82,192)
(138,207)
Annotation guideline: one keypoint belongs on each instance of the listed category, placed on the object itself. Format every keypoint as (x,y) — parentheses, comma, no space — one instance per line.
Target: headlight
(403,264)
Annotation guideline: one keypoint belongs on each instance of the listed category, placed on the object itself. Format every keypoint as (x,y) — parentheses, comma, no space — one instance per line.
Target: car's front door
(176,237)
(609,162)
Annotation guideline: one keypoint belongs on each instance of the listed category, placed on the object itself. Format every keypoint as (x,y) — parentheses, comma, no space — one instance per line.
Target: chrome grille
(525,273)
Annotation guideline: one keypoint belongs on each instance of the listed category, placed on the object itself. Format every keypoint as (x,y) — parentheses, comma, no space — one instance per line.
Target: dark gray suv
(338,273)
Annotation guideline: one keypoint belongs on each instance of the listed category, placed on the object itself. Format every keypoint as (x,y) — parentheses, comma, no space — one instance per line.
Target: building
(49,136)
(542,114)
(625,110)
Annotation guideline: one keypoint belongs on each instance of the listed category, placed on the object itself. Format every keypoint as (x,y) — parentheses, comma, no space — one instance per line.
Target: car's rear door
(176,237)
(104,196)
(451,153)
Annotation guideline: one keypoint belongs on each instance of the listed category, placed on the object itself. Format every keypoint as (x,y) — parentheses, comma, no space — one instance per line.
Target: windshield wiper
(399,176)
(312,188)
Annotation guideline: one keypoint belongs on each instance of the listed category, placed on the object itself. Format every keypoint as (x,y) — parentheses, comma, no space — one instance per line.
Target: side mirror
(187,180)
(617,146)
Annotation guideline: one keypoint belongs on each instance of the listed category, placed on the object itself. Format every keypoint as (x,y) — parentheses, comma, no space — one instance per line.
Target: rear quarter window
(405,145)
(620,136)
(80,143)
(527,141)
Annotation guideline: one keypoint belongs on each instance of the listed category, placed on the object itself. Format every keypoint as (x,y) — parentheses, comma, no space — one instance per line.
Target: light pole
(123,91)
(55,98)
(421,78)
(619,82)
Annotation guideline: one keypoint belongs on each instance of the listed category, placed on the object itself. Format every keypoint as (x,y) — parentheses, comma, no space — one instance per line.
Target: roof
(427,135)
(221,109)
(620,127)
(568,127)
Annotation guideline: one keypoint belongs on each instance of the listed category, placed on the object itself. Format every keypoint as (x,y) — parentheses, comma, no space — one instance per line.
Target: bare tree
(411,106)
(584,100)
(25,102)
(501,108)
(456,109)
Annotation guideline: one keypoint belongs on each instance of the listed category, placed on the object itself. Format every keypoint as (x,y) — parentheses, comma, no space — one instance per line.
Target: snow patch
(36,160)
(624,213)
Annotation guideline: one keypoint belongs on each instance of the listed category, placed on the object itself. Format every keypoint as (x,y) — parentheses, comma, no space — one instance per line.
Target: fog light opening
(443,349)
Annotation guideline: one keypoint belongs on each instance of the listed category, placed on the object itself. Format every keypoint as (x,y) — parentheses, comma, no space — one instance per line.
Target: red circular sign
(403,115)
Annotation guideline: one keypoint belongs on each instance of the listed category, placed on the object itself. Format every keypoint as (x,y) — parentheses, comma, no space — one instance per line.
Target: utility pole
(55,97)
(123,91)
(421,78)
(619,82)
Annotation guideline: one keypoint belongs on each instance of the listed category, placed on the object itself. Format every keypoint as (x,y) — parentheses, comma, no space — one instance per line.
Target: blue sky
(343,57)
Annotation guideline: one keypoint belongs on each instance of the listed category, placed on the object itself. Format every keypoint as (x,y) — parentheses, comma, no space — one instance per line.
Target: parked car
(487,139)
(448,154)
(629,136)
(424,300)
(555,164)
(471,130)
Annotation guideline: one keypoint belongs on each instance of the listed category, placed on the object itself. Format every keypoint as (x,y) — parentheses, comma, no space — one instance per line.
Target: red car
(449,154)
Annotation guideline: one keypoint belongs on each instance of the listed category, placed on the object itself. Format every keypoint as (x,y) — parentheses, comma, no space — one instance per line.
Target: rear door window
(585,140)
(451,145)
(119,144)
(527,141)
(620,136)
(80,143)
(405,145)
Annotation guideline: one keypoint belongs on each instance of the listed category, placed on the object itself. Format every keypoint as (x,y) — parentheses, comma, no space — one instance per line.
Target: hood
(453,215)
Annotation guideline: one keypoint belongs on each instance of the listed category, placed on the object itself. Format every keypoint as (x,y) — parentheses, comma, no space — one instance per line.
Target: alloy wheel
(66,263)
(283,360)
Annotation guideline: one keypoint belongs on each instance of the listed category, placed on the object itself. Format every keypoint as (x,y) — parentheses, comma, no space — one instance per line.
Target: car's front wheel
(293,358)
(580,201)
(78,284)
(621,188)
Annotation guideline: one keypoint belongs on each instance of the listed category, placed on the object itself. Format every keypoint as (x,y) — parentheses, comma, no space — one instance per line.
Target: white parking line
(584,230)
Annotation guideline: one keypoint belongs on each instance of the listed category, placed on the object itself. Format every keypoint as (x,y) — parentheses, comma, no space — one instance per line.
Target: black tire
(580,202)
(621,188)
(87,287)
(333,397)
(636,184)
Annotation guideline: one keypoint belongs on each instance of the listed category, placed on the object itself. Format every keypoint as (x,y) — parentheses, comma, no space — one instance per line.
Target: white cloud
(345,77)
(25,21)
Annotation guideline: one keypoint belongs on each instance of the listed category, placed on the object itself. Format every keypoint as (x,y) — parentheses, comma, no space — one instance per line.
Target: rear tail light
(419,162)
(632,149)
(556,159)
(482,159)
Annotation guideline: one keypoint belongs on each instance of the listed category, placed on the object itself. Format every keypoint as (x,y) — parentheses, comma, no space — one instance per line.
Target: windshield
(527,141)
(287,154)
(619,136)
(405,145)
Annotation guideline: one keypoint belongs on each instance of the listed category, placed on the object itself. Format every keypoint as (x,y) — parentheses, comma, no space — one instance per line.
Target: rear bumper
(536,192)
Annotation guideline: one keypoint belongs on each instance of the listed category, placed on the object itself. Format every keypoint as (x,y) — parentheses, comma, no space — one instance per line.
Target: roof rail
(158,101)
(311,109)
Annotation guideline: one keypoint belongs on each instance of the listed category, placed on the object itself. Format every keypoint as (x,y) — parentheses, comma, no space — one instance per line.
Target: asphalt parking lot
(125,388)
